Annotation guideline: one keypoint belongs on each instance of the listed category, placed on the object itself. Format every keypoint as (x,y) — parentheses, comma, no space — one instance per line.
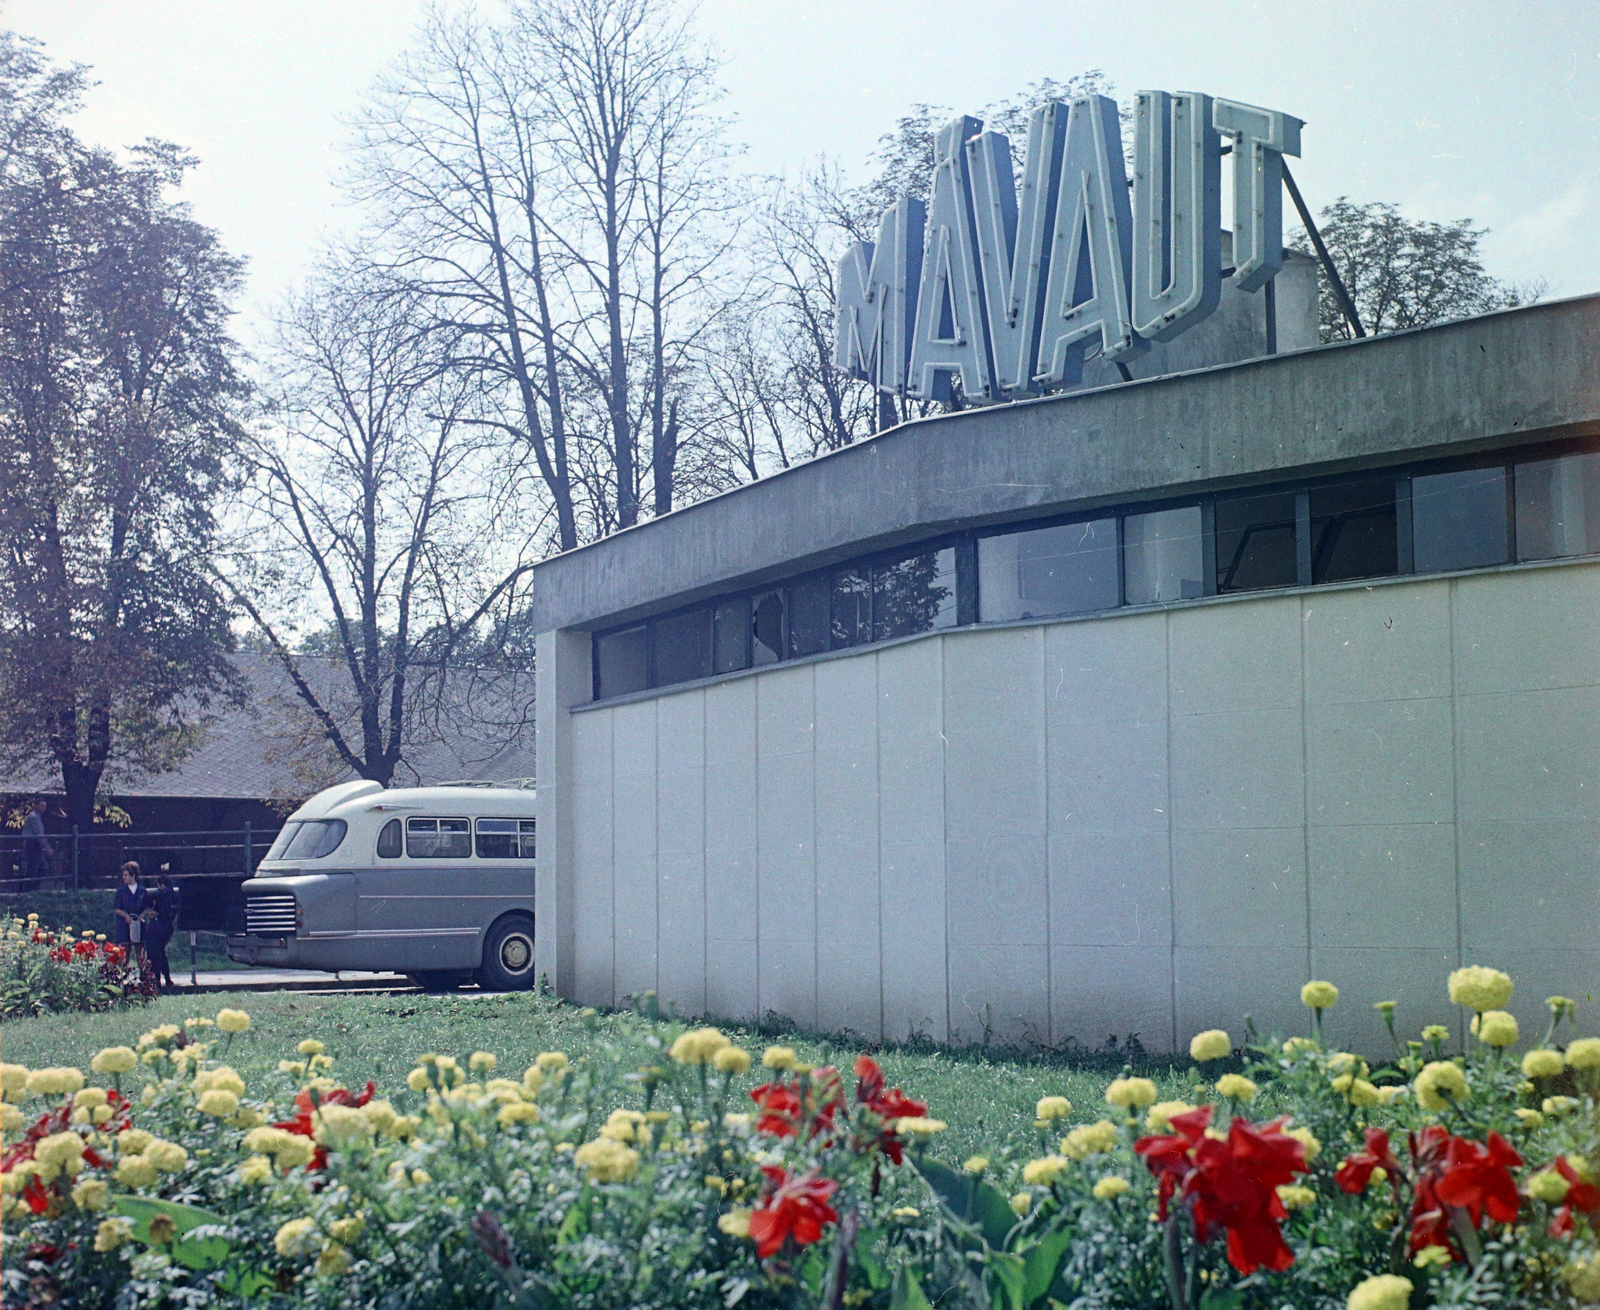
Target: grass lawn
(986,1098)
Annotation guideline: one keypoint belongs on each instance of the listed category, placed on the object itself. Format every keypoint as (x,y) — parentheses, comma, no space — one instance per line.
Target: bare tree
(372,498)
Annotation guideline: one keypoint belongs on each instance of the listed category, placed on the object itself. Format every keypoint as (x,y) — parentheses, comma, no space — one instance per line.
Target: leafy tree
(117,392)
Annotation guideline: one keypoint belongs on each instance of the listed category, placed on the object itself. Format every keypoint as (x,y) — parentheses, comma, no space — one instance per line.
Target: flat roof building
(1120,711)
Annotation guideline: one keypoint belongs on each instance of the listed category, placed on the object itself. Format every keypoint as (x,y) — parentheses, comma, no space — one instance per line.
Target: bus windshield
(308,841)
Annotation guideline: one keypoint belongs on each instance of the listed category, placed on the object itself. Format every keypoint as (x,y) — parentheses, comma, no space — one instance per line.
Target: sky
(1469,109)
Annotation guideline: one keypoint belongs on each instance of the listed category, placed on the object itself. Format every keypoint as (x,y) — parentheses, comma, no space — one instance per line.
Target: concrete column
(564,678)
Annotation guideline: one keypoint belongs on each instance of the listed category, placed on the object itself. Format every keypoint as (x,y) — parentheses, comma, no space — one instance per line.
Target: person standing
(37,852)
(161,912)
(129,906)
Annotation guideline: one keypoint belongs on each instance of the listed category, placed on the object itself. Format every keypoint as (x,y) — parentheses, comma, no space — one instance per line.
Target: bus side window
(529,827)
(389,841)
(501,839)
(439,839)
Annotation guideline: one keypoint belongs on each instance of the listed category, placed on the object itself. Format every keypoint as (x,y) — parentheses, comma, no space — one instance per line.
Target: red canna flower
(1477,1178)
(780,1110)
(783,1109)
(1356,1171)
(794,1207)
(887,1105)
(1170,1157)
(303,1125)
(1581,1196)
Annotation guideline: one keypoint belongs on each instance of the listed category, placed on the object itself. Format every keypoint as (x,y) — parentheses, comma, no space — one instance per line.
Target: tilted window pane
(766,628)
(851,607)
(1353,530)
(1068,569)
(1458,520)
(1255,542)
(622,662)
(683,647)
(914,595)
(1558,507)
(1163,555)
(730,631)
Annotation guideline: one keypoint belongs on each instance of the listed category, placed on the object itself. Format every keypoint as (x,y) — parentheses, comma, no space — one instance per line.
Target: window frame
(439,832)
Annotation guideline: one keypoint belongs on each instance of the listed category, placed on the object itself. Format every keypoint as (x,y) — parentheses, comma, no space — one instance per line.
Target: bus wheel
(508,956)
(434,981)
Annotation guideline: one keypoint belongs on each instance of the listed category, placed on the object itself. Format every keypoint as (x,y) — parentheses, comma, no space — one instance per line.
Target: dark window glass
(528,829)
(502,839)
(766,629)
(1458,520)
(389,840)
(914,595)
(1255,542)
(851,607)
(1163,556)
(682,647)
(316,839)
(808,617)
(730,632)
(622,662)
(1062,570)
(1558,507)
(438,839)
(1353,530)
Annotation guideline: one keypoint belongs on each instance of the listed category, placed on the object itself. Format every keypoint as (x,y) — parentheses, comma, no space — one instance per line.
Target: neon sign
(1011,293)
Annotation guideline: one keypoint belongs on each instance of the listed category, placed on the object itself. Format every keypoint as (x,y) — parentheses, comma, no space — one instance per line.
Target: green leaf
(192,1253)
(1218,1298)
(813,1267)
(971,1200)
(877,1276)
(1010,1273)
(576,1222)
(1041,1262)
(907,1293)
(245,1283)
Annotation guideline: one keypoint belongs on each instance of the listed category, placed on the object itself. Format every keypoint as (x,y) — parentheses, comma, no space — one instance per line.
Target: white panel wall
(1143,823)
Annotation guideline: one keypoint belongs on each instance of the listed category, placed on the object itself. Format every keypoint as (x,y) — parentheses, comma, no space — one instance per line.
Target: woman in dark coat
(161,911)
(129,906)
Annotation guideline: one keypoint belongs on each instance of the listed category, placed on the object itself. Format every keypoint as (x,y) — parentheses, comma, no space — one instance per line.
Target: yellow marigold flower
(346,1230)
(1317,995)
(1556,1106)
(919,1126)
(532,1079)
(1309,1140)
(111,1234)
(1296,1198)
(1110,1187)
(382,1116)
(1383,1292)
(54,1082)
(11,1118)
(217,1102)
(1364,1093)
(1213,1044)
(298,1237)
(1584,1279)
(58,1148)
(1495,1028)
(91,1194)
(417,1080)
(697,1047)
(1548,1186)
(294,1068)
(1542,1063)
(482,1061)
(168,1157)
(333,1261)
(1043,1172)
(134,1140)
(135,1171)
(13,1080)
(736,1123)
(550,1063)
(780,1057)
(717,1185)
(1440,1084)
(1436,1033)
(1385,1008)
(1584,1053)
(736,1223)
(89,1098)
(975,1164)
(1158,1119)
(1052,1107)
(341,1126)
(1021,1203)
(731,1060)
(245,1117)
(420,1178)
(310,1046)
(233,1021)
(623,1126)
(1343,1062)
(1236,1087)
(114,1059)
(256,1170)
(607,1160)
(1531,1119)
(1089,1139)
(517,1112)
(1131,1093)
(1294,1045)
(1478,988)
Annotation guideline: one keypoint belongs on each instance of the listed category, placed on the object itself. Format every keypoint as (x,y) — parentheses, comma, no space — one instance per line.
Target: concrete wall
(1147,822)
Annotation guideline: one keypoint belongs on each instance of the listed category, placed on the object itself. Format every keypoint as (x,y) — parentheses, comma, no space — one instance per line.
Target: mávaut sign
(1011,294)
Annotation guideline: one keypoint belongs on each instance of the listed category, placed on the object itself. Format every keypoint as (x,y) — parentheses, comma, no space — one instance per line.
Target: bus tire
(435,981)
(507,956)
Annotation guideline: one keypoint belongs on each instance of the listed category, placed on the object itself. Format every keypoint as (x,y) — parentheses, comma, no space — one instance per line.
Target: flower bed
(46,972)
(160,1177)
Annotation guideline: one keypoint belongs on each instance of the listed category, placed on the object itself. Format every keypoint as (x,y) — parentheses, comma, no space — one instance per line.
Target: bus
(433,882)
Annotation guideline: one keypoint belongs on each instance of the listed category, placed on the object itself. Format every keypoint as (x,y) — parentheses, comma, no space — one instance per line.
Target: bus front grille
(270,916)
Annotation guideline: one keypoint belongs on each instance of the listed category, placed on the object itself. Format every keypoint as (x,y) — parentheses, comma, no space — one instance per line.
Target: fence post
(74,857)
(249,847)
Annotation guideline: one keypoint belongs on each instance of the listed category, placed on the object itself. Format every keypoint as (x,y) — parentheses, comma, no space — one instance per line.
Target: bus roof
(363,797)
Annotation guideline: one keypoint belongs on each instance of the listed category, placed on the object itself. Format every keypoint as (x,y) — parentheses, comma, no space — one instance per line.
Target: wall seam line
(1172,840)
(1455,777)
(1049,868)
(1304,608)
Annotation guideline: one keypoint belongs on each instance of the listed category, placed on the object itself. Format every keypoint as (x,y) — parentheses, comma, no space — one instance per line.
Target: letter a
(1177,213)
(876,299)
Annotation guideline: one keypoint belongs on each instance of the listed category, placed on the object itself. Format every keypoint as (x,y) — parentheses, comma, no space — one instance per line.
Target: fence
(92,859)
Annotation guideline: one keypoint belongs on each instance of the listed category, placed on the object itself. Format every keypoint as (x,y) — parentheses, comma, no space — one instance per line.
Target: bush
(58,910)
(44,972)
(1427,1181)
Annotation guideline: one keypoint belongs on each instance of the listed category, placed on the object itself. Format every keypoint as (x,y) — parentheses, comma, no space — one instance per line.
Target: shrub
(652,1174)
(44,972)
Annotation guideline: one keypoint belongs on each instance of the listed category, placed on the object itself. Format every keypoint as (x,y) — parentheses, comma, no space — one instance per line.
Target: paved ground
(305,980)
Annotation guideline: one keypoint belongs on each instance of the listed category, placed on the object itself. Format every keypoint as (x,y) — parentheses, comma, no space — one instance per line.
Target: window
(850,607)
(1061,570)
(1256,542)
(314,840)
(505,839)
(683,647)
(286,834)
(1558,507)
(1163,556)
(768,640)
(808,617)
(1353,530)
(438,839)
(389,841)
(622,662)
(730,635)
(916,594)
(1458,520)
